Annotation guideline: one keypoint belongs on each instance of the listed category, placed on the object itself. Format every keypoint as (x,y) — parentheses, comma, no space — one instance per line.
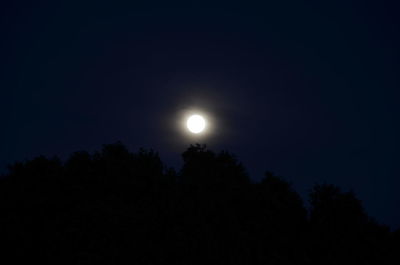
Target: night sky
(308,91)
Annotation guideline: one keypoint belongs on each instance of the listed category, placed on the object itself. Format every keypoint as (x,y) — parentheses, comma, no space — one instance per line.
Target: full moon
(196,124)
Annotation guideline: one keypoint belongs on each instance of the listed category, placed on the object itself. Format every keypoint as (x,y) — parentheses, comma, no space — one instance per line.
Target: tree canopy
(119,207)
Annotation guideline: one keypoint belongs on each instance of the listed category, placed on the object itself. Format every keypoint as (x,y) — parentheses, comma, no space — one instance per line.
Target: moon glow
(196,124)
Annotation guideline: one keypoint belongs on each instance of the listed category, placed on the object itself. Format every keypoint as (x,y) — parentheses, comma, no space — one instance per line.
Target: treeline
(118,207)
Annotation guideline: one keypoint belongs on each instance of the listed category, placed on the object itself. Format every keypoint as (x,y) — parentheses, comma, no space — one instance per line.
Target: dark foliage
(118,207)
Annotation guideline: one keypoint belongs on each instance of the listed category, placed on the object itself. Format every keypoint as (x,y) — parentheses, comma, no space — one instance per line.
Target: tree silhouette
(119,207)
(341,230)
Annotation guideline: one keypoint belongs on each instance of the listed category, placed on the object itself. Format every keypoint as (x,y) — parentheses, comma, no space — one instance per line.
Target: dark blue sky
(308,91)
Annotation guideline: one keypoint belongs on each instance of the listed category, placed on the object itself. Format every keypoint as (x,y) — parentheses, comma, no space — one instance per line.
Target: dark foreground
(117,207)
